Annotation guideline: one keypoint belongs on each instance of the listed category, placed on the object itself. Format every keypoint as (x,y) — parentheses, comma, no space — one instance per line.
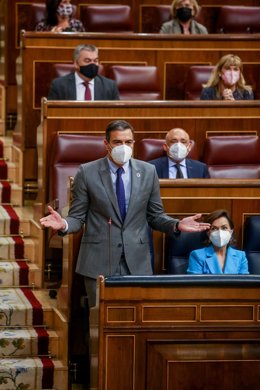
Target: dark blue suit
(64,88)
(195,169)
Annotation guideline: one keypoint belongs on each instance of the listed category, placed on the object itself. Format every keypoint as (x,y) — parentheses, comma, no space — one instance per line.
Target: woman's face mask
(184,14)
(220,238)
(65,10)
(230,77)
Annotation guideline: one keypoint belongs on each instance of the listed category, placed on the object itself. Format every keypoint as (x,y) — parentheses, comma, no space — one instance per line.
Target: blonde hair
(176,2)
(225,62)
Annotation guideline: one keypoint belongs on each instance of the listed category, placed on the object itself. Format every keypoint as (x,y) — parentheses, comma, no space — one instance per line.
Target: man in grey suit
(85,83)
(115,239)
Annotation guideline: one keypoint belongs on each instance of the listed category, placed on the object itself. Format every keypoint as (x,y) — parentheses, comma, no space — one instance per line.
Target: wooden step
(14,160)
(24,343)
(56,321)
(20,373)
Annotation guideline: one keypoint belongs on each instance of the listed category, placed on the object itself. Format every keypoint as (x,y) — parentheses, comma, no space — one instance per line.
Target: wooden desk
(179,332)
(153,49)
(150,119)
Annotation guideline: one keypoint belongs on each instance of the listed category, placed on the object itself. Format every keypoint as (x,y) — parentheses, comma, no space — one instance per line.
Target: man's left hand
(190,224)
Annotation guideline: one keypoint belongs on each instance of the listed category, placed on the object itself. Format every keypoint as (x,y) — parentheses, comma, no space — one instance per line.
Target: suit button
(119,245)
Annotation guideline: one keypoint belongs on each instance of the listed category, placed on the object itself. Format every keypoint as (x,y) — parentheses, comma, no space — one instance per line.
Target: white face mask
(230,77)
(121,154)
(178,151)
(65,10)
(220,238)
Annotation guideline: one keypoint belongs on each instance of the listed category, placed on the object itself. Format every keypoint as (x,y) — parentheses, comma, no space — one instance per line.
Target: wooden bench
(151,119)
(156,50)
(18,16)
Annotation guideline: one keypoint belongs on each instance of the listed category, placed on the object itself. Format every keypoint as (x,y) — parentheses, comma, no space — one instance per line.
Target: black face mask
(184,14)
(90,71)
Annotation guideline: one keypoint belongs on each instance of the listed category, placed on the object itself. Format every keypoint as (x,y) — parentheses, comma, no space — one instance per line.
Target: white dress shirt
(80,88)
(173,170)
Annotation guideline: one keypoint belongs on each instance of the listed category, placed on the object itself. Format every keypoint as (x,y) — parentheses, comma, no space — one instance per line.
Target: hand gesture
(227,94)
(189,224)
(53,220)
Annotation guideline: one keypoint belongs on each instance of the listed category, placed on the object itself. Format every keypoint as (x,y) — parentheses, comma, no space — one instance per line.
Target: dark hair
(119,125)
(210,218)
(51,12)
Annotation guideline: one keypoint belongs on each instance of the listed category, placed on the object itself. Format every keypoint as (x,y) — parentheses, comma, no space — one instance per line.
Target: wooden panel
(173,355)
(120,353)
(151,119)
(18,16)
(153,49)
(121,314)
(180,368)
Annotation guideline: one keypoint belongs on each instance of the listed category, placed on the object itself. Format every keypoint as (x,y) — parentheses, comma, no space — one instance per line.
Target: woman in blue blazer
(218,257)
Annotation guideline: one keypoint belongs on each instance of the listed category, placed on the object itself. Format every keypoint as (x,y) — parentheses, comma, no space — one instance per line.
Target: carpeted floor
(24,342)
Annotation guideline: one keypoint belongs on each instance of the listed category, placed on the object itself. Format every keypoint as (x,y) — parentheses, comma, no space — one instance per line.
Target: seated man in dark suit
(175,165)
(85,83)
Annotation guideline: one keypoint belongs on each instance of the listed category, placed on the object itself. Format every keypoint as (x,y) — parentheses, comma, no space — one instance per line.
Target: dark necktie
(179,174)
(120,192)
(87,91)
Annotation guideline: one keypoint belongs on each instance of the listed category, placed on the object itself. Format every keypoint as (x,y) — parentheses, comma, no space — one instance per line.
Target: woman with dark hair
(219,257)
(59,18)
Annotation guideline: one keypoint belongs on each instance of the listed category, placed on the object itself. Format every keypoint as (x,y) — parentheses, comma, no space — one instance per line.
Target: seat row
(226,156)
(119,18)
(143,82)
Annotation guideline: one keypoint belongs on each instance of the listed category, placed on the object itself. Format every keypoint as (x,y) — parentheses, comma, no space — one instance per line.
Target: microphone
(109,244)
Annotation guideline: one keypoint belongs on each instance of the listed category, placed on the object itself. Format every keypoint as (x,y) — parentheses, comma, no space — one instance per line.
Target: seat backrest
(231,156)
(151,148)
(238,20)
(251,243)
(68,153)
(179,249)
(136,82)
(196,77)
(153,16)
(107,18)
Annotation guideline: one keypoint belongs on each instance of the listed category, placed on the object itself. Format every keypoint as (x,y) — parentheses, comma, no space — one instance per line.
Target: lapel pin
(138,174)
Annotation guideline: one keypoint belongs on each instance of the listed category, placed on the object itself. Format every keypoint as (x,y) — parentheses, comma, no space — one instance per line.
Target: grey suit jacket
(95,205)
(173,27)
(64,88)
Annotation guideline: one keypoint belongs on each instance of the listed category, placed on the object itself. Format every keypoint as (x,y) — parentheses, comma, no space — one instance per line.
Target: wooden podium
(179,332)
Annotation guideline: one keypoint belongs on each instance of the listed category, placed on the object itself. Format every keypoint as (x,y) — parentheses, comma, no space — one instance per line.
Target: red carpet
(36,306)
(24,272)
(3,170)
(6,192)
(14,219)
(1,149)
(18,247)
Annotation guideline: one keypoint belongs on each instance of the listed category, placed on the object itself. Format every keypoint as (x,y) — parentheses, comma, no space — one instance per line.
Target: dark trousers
(91,284)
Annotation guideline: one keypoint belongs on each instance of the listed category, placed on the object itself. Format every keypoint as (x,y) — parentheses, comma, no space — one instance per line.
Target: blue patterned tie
(120,192)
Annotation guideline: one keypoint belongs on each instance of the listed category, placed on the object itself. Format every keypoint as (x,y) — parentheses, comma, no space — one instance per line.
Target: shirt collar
(113,167)
(173,163)
(79,80)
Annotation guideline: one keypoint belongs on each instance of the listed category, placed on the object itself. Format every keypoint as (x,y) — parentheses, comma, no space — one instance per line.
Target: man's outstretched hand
(190,224)
(53,220)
